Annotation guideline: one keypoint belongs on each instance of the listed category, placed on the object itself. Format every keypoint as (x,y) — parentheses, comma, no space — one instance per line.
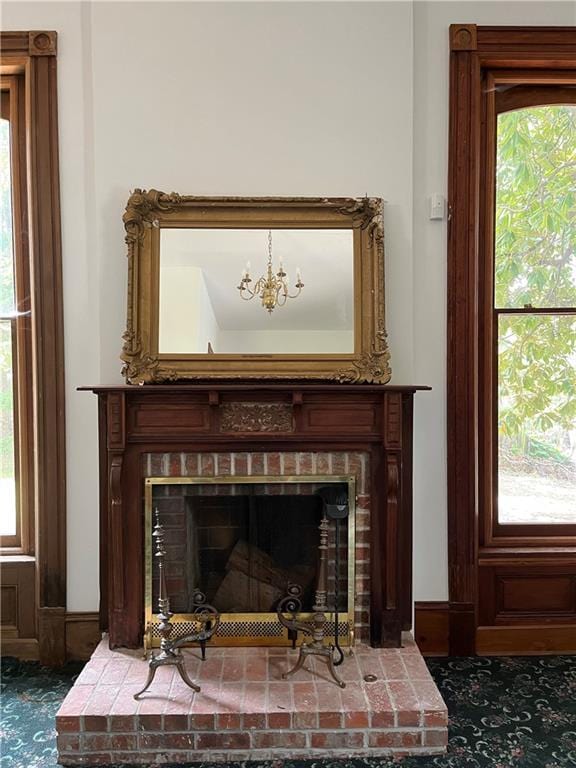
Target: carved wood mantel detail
(258,418)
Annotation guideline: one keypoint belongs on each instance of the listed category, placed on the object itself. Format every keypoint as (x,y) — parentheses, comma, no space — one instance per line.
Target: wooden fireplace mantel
(213,417)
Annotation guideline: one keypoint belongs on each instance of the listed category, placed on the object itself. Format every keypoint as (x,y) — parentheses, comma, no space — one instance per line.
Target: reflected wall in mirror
(280,288)
(208,300)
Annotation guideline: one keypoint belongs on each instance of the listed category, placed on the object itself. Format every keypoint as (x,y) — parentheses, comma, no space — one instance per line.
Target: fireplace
(262,429)
(236,471)
(241,541)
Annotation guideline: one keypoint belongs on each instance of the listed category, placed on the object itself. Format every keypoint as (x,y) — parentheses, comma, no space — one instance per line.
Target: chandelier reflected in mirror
(272,289)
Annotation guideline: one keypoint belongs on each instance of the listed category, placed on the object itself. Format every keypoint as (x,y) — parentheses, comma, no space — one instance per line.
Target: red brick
(68,742)
(305,720)
(304,463)
(356,720)
(270,740)
(75,701)
(202,722)
(329,720)
(337,739)
(257,464)
(67,724)
(228,720)
(95,742)
(97,723)
(150,722)
(191,464)
(279,720)
(407,718)
(439,718)
(165,741)
(272,463)
(338,463)
(223,464)
(256,668)
(123,741)
(383,719)
(206,465)
(240,463)
(254,721)
(174,465)
(223,741)
(233,668)
(394,739)
(437,738)
(175,722)
(289,463)
(322,464)
(121,723)
(157,464)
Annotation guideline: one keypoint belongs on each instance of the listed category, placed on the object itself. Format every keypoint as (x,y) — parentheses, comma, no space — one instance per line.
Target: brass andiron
(316,628)
(204,614)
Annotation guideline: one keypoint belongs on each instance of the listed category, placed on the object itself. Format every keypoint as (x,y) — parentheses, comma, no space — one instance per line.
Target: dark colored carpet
(504,713)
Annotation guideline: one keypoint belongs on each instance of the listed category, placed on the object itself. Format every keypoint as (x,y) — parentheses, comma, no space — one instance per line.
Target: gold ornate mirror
(279,288)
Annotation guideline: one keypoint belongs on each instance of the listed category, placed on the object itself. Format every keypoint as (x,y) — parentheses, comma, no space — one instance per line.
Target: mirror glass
(202,310)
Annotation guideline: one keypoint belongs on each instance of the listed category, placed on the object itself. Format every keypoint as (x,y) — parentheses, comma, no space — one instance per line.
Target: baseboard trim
(522,640)
(82,634)
(26,649)
(431,627)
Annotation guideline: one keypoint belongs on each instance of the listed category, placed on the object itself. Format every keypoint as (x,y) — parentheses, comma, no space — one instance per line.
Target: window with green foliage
(16,454)
(8,515)
(535,314)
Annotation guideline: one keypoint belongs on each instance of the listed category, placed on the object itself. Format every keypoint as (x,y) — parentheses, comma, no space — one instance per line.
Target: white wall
(186,319)
(255,99)
(289,342)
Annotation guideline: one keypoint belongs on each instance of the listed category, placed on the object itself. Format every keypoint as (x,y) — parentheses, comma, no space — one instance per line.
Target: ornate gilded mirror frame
(149,211)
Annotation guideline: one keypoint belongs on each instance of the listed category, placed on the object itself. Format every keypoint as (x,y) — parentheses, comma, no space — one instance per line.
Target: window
(15,328)
(535,307)
(530,310)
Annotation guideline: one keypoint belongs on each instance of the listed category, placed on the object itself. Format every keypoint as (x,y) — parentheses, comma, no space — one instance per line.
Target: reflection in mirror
(201,308)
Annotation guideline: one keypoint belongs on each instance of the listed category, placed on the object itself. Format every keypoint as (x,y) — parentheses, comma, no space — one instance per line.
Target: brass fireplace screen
(240,540)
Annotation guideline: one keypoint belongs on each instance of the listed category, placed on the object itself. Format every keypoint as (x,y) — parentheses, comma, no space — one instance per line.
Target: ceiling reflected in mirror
(201,306)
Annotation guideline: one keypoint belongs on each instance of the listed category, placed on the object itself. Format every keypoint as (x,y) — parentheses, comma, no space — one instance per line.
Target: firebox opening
(241,542)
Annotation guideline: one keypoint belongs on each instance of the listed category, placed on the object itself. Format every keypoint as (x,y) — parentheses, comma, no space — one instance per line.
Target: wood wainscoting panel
(9,614)
(18,600)
(82,635)
(431,627)
(528,593)
(521,595)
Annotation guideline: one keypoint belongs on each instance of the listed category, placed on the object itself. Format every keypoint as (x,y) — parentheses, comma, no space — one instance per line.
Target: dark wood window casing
(28,60)
(486,558)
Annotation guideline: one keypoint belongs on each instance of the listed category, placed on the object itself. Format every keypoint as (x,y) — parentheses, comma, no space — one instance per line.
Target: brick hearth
(246,711)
